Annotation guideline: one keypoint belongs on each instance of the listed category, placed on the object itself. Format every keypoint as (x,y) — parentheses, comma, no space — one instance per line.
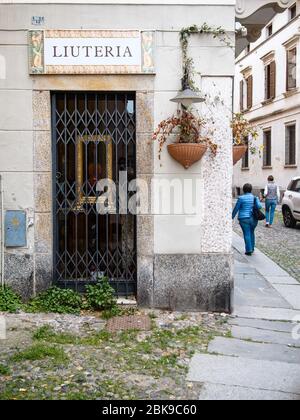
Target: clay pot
(238,153)
(187,153)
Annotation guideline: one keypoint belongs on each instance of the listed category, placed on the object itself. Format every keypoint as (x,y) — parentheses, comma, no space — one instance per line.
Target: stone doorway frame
(143,86)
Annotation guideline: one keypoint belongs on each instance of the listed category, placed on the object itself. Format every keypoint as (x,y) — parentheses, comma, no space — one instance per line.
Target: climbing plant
(188,62)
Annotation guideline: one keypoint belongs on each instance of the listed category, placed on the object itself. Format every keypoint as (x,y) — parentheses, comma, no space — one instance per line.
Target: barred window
(290,145)
(267,156)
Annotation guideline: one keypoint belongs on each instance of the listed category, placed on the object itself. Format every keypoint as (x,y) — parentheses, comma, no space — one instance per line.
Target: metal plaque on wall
(91,52)
(15,228)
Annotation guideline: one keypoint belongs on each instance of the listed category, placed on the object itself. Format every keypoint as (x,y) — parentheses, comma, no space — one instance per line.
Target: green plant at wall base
(101,297)
(9,300)
(56,300)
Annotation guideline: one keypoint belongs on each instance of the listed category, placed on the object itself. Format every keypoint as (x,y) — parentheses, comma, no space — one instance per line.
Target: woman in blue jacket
(244,208)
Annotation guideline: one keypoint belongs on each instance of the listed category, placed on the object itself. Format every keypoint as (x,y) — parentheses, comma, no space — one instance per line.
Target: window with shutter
(267,82)
(290,145)
(293,11)
(245,160)
(242,95)
(267,155)
(272,80)
(250,92)
(291,69)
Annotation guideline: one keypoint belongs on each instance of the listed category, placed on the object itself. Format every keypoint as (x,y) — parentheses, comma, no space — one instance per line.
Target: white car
(291,204)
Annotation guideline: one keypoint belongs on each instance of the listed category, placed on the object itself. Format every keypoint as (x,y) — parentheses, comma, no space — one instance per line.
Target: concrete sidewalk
(262,359)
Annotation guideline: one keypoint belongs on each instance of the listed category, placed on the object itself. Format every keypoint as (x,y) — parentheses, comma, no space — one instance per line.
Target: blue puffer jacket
(245,206)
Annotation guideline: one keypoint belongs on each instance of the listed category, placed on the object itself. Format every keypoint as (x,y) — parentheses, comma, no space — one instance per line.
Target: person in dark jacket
(244,208)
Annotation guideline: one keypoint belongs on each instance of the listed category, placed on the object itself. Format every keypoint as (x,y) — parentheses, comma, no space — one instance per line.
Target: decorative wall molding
(254,16)
(246,8)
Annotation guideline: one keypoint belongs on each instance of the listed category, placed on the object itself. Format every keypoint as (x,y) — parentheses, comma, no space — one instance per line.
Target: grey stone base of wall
(27,277)
(188,283)
(19,274)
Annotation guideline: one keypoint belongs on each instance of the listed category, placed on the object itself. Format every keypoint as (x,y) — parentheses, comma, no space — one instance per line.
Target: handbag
(257,213)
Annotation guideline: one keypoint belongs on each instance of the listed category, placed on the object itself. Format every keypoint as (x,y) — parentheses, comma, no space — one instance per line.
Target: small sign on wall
(37,20)
(91,52)
(15,229)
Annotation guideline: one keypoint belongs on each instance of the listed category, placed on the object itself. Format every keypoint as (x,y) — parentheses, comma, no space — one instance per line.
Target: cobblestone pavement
(69,357)
(282,245)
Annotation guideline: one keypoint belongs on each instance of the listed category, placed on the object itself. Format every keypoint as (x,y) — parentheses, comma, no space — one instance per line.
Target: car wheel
(288,218)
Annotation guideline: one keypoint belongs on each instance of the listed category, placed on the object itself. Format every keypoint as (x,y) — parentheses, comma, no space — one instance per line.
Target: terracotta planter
(187,153)
(238,153)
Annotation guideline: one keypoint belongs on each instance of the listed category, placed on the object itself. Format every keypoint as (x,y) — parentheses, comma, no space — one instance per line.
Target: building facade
(267,91)
(83,86)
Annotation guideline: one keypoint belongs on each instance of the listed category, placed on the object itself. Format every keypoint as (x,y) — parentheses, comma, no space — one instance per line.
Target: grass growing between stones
(54,389)
(4,370)
(125,365)
(40,352)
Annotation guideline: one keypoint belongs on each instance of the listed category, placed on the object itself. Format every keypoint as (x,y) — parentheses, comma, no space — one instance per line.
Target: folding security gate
(94,138)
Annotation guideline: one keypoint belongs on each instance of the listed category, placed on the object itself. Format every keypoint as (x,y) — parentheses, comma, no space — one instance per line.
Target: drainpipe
(2,229)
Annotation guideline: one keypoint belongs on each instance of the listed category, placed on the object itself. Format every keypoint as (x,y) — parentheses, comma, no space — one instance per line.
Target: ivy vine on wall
(188,62)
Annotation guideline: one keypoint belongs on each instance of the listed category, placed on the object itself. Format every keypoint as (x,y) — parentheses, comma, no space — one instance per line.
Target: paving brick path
(262,359)
(282,245)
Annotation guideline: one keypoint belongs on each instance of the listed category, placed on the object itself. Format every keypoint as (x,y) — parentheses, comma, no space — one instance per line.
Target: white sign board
(90,52)
(93,52)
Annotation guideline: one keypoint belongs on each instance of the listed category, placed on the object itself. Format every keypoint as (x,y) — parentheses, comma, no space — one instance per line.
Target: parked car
(291,203)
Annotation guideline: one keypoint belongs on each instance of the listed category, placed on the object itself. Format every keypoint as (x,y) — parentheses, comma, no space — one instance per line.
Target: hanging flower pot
(244,136)
(192,135)
(238,153)
(186,153)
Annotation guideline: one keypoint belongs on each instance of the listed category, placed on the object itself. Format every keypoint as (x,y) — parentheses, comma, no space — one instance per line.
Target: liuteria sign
(91,52)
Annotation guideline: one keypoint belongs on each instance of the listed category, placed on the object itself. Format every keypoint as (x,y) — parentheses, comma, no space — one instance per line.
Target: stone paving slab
(263,336)
(282,280)
(263,264)
(214,392)
(254,290)
(242,268)
(239,348)
(263,325)
(238,371)
(271,314)
(290,293)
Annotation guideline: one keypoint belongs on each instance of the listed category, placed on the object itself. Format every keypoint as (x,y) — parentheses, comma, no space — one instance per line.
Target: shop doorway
(94,137)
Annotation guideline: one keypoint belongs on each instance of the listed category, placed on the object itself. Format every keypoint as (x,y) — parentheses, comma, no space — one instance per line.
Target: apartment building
(267,92)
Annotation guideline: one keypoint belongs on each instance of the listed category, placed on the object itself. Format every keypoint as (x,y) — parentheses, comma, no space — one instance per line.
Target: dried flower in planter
(188,129)
(244,133)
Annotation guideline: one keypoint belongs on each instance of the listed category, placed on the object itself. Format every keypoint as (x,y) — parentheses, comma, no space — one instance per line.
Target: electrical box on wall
(15,228)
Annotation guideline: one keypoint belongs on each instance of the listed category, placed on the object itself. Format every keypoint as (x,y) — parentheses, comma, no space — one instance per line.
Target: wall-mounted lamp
(188,97)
